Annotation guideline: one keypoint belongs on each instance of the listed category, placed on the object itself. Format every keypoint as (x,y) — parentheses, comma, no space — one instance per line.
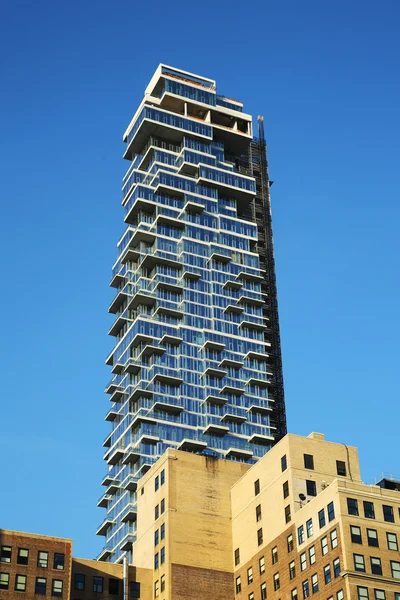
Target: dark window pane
(311,487)
(341,468)
(369,511)
(308,461)
(352,506)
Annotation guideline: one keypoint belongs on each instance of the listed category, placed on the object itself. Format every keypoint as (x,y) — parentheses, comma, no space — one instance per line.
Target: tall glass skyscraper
(196,363)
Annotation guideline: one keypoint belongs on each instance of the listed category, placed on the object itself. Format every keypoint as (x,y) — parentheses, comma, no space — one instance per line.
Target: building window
(156,485)
(376,566)
(4,581)
(250,575)
(162,481)
(277,584)
(395,568)
(238,585)
(5,554)
(113,586)
(392,541)
(324,545)
(79,582)
(274,555)
(156,537)
(40,586)
(303,561)
(362,593)
(308,461)
(261,564)
(237,556)
(334,541)
(257,487)
(156,512)
(134,589)
(263,590)
(162,531)
(59,561)
(22,556)
(162,506)
(285,487)
(359,563)
(388,513)
(258,512)
(293,594)
(314,583)
(340,595)
(260,536)
(311,487)
(311,555)
(300,534)
(156,560)
(289,543)
(156,589)
(309,527)
(331,511)
(341,468)
(355,533)
(352,507)
(98,584)
(327,574)
(380,595)
(321,518)
(336,567)
(57,587)
(251,596)
(292,569)
(287,513)
(369,512)
(306,589)
(162,580)
(284,463)
(43,559)
(20,583)
(372,536)
(162,555)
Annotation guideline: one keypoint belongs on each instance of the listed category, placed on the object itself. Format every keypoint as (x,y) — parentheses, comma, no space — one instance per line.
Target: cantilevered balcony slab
(174,340)
(112,414)
(143,299)
(130,483)
(257,356)
(251,301)
(215,400)
(113,487)
(105,554)
(192,445)
(129,255)
(113,387)
(263,410)
(232,389)
(238,453)
(118,301)
(170,221)
(173,409)
(250,325)
(230,363)
(102,530)
(258,438)
(214,346)
(104,500)
(118,323)
(141,338)
(108,479)
(129,514)
(140,205)
(191,276)
(193,207)
(261,383)
(213,372)
(169,287)
(128,542)
(168,379)
(234,309)
(150,350)
(169,312)
(117,396)
(150,260)
(221,258)
(107,441)
(140,393)
(115,456)
(243,276)
(117,368)
(117,280)
(232,285)
(218,430)
(233,418)
(131,455)
(132,366)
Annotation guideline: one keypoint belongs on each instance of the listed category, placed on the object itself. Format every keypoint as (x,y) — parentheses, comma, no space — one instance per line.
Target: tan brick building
(298,524)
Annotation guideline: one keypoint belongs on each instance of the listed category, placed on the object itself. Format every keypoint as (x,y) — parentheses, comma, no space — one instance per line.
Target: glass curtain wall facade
(194,365)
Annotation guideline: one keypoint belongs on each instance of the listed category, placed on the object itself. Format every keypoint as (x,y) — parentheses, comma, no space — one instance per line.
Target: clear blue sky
(326,77)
